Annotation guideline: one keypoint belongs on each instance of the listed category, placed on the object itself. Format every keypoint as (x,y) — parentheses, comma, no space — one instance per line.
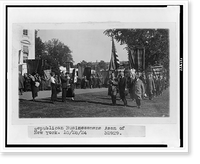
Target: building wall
(23,45)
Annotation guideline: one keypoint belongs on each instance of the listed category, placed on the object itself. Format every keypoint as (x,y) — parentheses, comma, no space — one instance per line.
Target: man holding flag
(113,66)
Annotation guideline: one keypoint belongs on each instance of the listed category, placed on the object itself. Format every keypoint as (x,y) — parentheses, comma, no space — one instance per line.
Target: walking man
(65,83)
(139,90)
(113,88)
(150,86)
(131,86)
(123,88)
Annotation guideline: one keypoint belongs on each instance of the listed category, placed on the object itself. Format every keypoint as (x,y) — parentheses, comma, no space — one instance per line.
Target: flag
(114,61)
(157,70)
(87,72)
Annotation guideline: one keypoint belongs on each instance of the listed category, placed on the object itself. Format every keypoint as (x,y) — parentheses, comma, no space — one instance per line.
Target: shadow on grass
(131,106)
(37,101)
(107,98)
(59,100)
(96,102)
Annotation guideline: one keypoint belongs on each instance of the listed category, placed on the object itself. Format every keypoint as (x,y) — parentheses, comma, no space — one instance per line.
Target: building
(23,45)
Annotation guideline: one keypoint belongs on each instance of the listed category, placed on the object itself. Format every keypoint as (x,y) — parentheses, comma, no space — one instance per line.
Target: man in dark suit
(122,88)
(65,83)
(113,88)
(139,90)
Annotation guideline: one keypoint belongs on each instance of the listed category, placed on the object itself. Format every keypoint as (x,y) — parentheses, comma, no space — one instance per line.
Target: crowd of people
(138,86)
(57,83)
(64,83)
(26,80)
(91,82)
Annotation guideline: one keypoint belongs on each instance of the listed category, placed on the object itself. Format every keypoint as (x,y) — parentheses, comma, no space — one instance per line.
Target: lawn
(94,105)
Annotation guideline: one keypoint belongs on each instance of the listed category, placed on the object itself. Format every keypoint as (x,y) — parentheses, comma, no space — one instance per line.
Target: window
(25,53)
(25,57)
(25,49)
(25,32)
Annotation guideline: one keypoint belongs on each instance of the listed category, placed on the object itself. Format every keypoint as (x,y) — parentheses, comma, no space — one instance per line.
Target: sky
(88,45)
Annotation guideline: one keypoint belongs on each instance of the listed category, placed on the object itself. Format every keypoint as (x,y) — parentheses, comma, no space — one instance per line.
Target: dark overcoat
(64,81)
(34,89)
(70,90)
(150,85)
(131,87)
(122,86)
(112,89)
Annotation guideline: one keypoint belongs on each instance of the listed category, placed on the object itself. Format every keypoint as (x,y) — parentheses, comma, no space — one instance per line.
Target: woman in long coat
(34,85)
(71,87)
(53,87)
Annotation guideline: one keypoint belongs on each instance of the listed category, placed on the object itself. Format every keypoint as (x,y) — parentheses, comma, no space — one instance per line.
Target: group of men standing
(137,86)
(92,82)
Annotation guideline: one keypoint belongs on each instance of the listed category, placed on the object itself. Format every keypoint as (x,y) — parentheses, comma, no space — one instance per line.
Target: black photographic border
(93,145)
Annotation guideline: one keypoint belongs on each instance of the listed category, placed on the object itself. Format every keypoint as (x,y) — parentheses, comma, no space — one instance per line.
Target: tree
(83,63)
(53,52)
(57,54)
(102,65)
(39,47)
(155,41)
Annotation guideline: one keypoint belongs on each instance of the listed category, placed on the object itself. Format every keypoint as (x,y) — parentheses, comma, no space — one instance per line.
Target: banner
(35,65)
(137,59)
(87,72)
(80,71)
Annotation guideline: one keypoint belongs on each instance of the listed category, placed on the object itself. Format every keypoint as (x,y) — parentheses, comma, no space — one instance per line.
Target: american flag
(114,61)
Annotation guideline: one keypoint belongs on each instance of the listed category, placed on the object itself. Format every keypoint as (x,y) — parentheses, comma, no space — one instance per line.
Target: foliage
(102,65)
(54,52)
(95,65)
(39,47)
(155,42)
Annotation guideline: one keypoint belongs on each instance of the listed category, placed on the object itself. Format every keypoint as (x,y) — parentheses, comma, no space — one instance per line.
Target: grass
(94,105)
